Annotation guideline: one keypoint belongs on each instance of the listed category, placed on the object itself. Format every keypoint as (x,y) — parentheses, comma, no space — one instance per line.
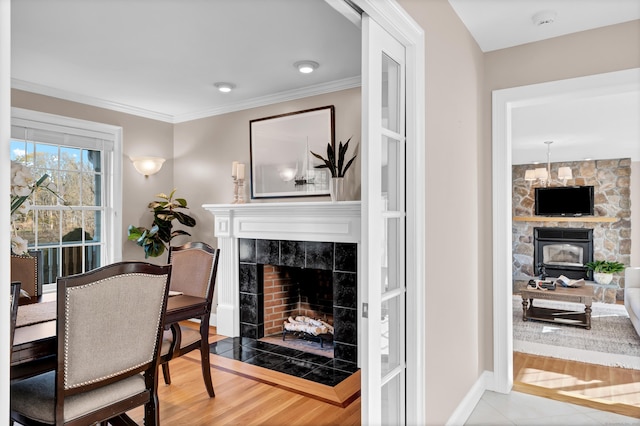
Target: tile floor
(518,408)
(317,368)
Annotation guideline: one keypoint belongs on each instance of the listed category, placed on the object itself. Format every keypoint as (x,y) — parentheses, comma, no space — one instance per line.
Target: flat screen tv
(564,201)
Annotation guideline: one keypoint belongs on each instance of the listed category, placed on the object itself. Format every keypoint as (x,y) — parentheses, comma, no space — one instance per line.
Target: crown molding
(318,89)
(88,100)
(289,95)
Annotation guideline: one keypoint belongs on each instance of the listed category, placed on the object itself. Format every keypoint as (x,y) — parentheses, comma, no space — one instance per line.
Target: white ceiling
(160,59)
(498,24)
(599,127)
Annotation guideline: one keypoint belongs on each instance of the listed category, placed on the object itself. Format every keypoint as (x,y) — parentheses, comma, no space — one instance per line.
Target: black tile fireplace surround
(340,258)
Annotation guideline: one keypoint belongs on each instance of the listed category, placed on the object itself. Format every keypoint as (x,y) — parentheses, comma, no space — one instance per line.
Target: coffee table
(582,295)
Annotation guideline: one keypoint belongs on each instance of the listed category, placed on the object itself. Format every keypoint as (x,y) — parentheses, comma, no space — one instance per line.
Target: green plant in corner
(339,168)
(156,240)
(605,266)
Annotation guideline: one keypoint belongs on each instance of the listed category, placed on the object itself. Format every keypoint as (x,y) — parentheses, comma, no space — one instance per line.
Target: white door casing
(394,20)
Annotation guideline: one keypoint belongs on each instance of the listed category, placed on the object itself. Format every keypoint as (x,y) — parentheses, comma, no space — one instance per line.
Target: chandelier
(543,175)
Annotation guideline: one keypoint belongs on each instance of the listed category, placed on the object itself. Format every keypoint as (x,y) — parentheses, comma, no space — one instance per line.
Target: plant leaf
(185,219)
(340,158)
(134,232)
(347,166)
(331,157)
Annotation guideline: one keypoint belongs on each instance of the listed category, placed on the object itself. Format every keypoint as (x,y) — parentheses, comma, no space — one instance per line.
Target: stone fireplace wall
(338,259)
(611,240)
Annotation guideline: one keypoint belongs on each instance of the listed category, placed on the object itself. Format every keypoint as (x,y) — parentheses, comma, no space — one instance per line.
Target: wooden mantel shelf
(564,219)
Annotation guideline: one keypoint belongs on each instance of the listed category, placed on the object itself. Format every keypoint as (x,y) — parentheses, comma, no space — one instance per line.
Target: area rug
(611,341)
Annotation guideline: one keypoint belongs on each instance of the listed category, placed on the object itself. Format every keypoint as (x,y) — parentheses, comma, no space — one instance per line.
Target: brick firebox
(309,269)
(286,295)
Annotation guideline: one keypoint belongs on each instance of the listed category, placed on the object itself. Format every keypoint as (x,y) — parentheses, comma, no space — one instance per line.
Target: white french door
(384,228)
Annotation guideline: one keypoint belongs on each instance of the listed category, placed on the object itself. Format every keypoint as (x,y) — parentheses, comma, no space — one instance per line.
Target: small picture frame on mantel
(281,161)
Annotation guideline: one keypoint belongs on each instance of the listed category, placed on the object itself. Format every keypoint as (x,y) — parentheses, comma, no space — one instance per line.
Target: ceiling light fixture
(306,67)
(225,87)
(545,17)
(544,175)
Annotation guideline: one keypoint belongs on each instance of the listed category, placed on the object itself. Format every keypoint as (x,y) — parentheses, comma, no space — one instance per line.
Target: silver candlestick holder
(238,191)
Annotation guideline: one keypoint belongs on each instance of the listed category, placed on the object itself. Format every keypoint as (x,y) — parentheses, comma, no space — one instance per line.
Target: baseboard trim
(468,404)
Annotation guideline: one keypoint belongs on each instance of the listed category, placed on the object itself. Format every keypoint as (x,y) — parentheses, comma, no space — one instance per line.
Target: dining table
(35,343)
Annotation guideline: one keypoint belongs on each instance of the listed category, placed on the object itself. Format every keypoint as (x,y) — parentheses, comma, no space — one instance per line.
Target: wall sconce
(147,166)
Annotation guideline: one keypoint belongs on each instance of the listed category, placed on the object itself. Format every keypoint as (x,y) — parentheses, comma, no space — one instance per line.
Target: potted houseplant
(158,238)
(603,270)
(337,167)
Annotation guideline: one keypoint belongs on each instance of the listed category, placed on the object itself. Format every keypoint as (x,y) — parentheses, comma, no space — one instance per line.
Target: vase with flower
(23,185)
(337,167)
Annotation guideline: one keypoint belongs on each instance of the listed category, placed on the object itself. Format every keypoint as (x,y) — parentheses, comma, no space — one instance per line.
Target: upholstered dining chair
(28,270)
(15,295)
(194,269)
(109,331)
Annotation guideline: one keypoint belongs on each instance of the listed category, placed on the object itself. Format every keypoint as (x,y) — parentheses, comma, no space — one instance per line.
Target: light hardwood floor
(239,400)
(604,388)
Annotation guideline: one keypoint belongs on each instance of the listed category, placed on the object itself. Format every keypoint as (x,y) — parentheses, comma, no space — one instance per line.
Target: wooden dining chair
(27,269)
(15,295)
(109,331)
(194,270)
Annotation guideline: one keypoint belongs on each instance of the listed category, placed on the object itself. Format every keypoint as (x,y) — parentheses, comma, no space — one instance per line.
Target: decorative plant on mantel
(156,240)
(338,169)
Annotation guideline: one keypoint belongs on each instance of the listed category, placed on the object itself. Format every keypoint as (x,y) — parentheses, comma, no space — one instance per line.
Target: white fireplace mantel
(305,221)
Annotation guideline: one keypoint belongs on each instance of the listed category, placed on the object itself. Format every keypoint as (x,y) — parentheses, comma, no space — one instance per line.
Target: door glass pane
(392,402)
(392,174)
(391,255)
(391,333)
(390,94)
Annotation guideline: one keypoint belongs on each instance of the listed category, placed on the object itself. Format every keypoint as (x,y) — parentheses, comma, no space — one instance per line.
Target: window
(83,160)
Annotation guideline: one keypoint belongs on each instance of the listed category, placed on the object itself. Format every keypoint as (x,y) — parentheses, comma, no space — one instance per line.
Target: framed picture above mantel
(280,147)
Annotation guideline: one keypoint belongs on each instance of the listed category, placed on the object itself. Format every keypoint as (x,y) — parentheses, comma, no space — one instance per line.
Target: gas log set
(308,328)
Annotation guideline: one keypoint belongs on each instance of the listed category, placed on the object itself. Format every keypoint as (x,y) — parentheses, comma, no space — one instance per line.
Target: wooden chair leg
(166,374)
(206,367)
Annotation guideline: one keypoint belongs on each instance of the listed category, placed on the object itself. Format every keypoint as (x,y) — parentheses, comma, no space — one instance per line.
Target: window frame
(111,176)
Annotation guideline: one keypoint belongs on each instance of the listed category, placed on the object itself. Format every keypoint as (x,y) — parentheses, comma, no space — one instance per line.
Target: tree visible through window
(69,235)
(83,162)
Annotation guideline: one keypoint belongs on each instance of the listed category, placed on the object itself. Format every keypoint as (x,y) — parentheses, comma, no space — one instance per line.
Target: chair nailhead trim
(66,329)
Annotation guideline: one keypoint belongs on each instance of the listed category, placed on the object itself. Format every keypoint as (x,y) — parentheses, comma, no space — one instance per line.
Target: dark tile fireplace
(280,278)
